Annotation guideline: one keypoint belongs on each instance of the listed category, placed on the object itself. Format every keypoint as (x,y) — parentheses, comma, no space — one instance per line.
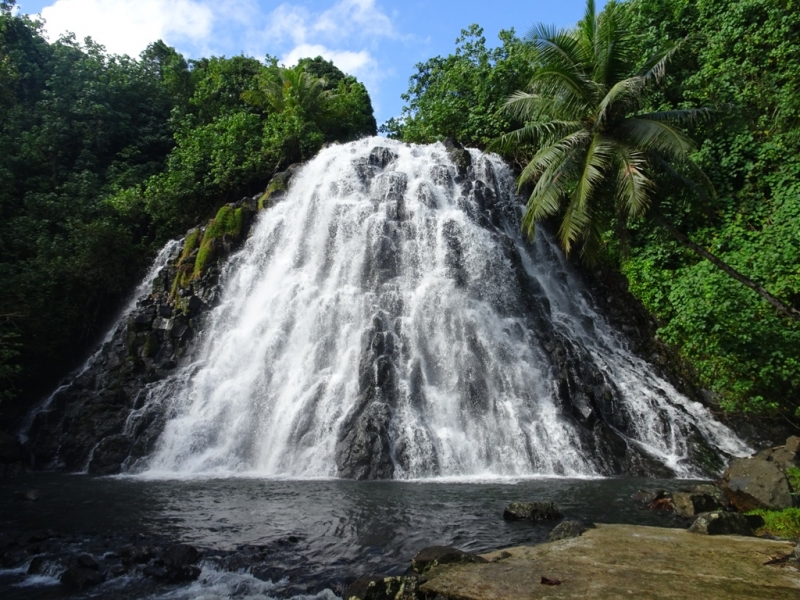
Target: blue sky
(377,41)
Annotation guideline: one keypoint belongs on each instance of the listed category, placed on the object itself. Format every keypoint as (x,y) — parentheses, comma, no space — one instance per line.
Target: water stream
(387,320)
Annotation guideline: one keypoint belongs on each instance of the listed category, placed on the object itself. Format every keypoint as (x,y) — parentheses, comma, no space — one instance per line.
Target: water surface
(316,536)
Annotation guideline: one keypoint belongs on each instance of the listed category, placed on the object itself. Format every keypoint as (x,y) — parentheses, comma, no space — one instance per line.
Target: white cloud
(355,17)
(288,22)
(128,26)
(360,64)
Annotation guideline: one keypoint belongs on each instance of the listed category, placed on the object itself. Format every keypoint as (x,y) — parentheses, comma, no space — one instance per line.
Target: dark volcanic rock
(566,530)
(719,522)
(689,504)
(86,421)
(78,578)
(180,555)
(109,454)
(432,556)
(400,587)
(27,496)
(531,511)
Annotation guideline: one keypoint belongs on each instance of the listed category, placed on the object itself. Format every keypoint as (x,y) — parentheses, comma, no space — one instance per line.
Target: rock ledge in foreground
(613,561)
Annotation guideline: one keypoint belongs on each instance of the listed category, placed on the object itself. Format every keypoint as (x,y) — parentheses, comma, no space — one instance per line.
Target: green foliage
(793,475)
(779,523)
(9,370)
(461,95)
(596,153)
(741,59)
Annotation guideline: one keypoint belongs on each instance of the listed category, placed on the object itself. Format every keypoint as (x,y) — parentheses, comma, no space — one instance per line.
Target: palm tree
(597,155)
(289,90)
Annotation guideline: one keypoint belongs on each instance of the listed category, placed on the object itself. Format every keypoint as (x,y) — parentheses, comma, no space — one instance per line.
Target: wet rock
(566,530)
(382,588)
(117,570)
(87,561)
(432,556)
(13,558)
(689,504)
(753,483)
(180,555)
(650,496)
(364,451)
(136,554)
(156,572)
(461,158)
(380,157)
(27,496)
(531,511)
(79,578)
(109,454)
(720,522)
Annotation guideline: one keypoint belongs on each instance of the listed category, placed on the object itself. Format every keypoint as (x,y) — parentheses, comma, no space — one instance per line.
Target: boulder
(78,578)
(689,504)
(136,554)
(650,496)
(432,556)
(27,496)
(109,454)
(382,588)
(380,156)
(180,555)
(531,511)
(720,522)
(752,483)
(566,530)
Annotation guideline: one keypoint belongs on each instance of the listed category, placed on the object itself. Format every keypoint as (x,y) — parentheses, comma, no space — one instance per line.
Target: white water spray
(395,288)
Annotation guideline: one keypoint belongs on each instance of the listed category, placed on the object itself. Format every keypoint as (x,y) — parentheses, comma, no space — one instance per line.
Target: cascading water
(387,320)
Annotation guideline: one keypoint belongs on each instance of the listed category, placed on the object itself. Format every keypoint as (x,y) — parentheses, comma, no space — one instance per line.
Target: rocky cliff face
(99,420)
(103,421)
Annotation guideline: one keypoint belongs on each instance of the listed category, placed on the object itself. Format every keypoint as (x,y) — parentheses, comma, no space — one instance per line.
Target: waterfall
(387,320)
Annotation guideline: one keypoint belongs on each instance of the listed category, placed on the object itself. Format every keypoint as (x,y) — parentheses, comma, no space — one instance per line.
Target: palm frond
(548,155)
(688,116)
(644,134)
(550,190)
(625,93)
(656,66)
(578,215)
(633,187)
(535,134)
(614,47)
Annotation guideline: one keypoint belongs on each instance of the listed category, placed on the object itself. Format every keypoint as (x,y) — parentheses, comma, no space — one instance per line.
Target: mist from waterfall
(389,307)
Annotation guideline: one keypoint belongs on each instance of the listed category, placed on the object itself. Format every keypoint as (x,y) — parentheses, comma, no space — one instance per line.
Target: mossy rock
(201,246)
(228,222)
(277,187)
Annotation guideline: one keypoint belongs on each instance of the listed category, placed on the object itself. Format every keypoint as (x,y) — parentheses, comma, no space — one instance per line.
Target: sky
(377,41)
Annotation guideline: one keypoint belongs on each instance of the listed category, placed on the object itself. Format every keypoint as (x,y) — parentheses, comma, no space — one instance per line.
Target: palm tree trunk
(780,306)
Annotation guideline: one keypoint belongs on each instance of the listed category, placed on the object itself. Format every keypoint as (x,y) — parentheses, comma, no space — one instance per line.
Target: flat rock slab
(614,561)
